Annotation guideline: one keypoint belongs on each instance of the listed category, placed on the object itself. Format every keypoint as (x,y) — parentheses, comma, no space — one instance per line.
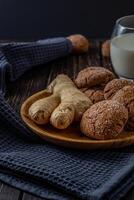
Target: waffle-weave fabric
(49,171)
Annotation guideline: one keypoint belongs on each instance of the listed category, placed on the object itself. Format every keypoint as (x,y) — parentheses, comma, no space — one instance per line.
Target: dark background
(33,19)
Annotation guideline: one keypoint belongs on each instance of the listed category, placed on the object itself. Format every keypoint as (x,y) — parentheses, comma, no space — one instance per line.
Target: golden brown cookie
(125,96)
(104,120)
(95,94)
(105,48)
(80,43)
(92,76)
(113,86)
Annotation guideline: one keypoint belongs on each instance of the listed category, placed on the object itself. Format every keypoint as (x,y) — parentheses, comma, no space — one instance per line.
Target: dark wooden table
(36,80)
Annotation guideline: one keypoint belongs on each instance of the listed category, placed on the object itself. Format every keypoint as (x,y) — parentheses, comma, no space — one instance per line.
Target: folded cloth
(16,58)
(28,185)
(53,172)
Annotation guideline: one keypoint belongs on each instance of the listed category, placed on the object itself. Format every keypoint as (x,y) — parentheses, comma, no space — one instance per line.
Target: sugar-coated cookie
(113,86)
(95,94)
(125,96)
(104,120)
(93,76)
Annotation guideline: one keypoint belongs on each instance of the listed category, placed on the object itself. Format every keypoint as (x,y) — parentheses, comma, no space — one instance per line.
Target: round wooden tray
(70,137)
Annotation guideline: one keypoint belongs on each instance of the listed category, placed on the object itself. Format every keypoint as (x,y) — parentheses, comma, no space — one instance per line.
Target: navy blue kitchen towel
(16,58)
(46,170)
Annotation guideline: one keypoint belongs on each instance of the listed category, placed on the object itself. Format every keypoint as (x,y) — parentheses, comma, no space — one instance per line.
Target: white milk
(122,55)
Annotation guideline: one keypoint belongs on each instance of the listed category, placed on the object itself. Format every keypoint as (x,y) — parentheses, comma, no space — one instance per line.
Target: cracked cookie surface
(113,86)
(93,76)
(104,120)
(95,94)
(125,96)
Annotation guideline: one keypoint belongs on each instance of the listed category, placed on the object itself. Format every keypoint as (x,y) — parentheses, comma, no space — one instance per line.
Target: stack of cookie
(113,103)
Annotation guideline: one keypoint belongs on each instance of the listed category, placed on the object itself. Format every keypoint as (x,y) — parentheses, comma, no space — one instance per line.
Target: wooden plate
(70,137)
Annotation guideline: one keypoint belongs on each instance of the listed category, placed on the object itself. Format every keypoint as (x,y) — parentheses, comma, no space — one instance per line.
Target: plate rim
(43,133)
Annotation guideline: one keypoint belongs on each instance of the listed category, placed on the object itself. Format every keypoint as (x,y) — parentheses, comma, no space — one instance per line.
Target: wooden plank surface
(8,193)
(129,195)
(36,80)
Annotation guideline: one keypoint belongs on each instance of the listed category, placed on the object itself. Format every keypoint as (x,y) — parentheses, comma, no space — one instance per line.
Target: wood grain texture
(37,79)
(8,193)
(129,195)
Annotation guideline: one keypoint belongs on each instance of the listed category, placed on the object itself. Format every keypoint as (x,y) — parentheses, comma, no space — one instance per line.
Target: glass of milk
(122,47)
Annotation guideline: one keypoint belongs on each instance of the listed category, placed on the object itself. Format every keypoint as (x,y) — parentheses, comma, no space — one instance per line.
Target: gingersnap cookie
(95,94)
(125,96)
(80,43)
(104,120)
(113,86)
(105,49)
(92,76)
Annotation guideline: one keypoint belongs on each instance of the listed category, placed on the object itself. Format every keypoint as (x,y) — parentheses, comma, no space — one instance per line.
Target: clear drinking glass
(122,47)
